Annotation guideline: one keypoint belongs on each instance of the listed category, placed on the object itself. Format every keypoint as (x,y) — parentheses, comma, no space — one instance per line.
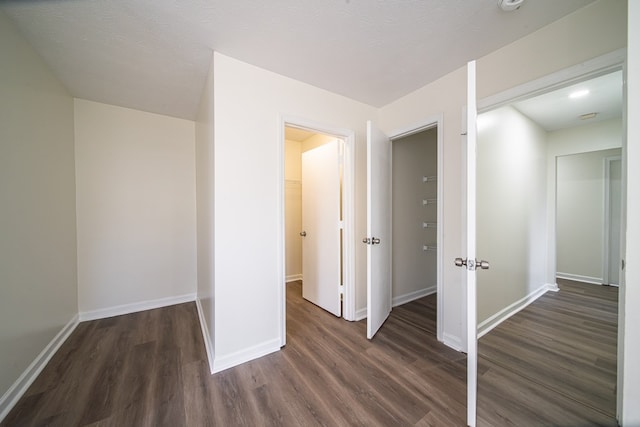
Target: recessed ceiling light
(509,5)
(579,93)
(588,116)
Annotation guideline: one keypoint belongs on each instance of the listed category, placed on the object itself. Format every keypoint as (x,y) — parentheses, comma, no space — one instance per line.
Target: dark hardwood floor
(554,363)
(150,369)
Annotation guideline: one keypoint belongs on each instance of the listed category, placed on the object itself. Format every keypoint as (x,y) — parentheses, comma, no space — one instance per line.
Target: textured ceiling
(153,55)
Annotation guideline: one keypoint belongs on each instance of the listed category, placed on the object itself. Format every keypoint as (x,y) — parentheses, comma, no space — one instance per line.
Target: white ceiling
(297,134)
(556,110)
(153,55)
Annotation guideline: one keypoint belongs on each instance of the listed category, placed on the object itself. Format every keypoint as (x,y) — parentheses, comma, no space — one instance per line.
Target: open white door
(470,262)
(321,226)
(378,238)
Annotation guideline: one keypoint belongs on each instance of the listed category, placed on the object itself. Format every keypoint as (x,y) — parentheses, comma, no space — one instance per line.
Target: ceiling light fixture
(579,93)
(588,116)
(509,5)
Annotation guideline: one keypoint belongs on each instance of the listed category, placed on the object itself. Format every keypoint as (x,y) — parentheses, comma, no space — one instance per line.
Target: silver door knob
(484,265)
(303,233)
(460,262)
(366,240)
(375,241)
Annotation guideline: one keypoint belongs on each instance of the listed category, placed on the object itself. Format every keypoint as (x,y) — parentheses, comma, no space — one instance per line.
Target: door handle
(371,241)
(484,265)
(303,233)
(472,264)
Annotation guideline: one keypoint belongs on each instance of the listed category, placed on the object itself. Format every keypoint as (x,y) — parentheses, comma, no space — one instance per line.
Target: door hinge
(341,289)
(341,225)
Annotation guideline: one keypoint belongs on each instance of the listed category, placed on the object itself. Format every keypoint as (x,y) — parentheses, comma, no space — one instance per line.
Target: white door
(321,226)
(378,238)
(469,260)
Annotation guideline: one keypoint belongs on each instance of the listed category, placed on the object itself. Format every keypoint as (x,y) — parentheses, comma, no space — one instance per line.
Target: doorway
(329,284)
(313,216)
(414,216)
(418,189)
(516,205)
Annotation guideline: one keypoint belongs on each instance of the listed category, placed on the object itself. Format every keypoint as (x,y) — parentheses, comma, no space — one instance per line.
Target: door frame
(591,68)
(595,67)
(348,214)
(606,240)
(427,123)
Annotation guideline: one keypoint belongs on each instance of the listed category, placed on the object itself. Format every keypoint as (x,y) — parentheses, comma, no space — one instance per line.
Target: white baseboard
(18,388)
(242,356)
(412,296)
(493,321)
(452,341)
(293,278)
(361,314)
(208,345)
(119,310)
(579,278)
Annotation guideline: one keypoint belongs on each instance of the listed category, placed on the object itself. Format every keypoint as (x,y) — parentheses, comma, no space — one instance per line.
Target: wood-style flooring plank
(150,369)
(553,363)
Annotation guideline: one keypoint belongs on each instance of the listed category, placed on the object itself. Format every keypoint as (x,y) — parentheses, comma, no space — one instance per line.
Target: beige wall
(205,231)
(583,139)
(135,206)
(580,215)
(414,271)
(248,161)
(38,291)
(511,209)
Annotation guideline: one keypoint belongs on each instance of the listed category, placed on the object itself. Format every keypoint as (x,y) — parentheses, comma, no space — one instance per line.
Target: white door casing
(321,226)
(613,216)
(378,229)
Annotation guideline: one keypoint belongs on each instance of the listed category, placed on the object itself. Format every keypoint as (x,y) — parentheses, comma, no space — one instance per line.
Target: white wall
(597,136)
(630,387)
(511,211)
(414,271)
(580,215)
(205,231)
(38,293)
(293,209)
(249,104)
(592,31)
(135,206)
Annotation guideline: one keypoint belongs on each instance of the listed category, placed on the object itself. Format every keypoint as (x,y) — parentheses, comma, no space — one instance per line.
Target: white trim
(452,341)
(487,325)
(361,314)
(606,232)
(20,386)
(208,345)
(580,278)
(293,278)
(436,121)
(242,356)
(589,69)
(119,310)
(412,296)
